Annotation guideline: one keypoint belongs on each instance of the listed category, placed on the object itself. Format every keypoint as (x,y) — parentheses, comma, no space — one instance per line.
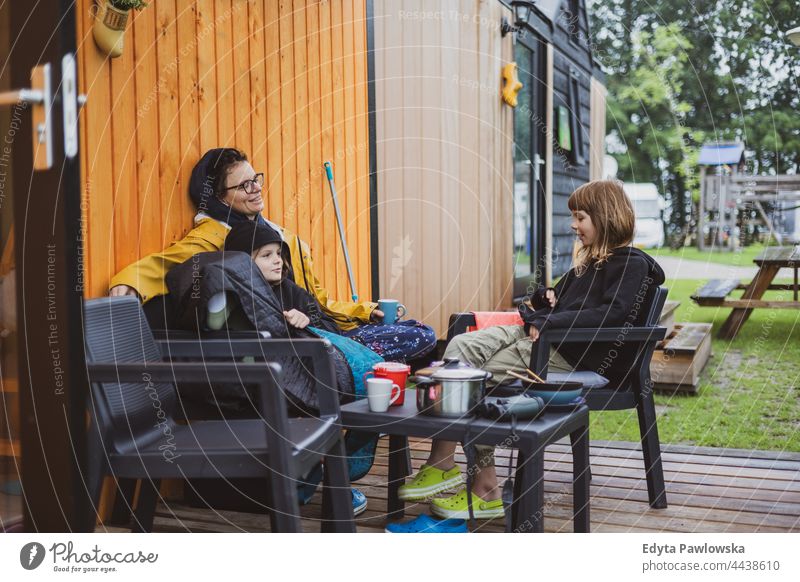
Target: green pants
(496,350)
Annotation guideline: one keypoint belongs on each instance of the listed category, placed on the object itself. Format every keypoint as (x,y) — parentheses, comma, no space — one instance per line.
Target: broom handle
(329,172)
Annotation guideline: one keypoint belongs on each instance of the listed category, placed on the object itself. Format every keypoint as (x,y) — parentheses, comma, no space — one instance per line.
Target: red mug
(394,371)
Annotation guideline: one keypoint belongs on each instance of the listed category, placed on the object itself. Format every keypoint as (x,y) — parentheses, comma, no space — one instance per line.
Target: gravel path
(686,269)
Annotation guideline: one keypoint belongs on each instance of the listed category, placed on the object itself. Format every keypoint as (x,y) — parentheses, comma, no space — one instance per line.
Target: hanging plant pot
(110,22)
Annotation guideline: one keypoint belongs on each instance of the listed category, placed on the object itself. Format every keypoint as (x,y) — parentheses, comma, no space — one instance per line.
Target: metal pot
(451,391)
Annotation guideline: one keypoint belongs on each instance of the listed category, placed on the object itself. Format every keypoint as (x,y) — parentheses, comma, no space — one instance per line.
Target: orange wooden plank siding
(288,105)
(227,124)
(189,114)
(123,158)
(240,82)
(340,170)
(146,79)
(298,205)
(285,81)
(207,79)
(328,147)
(316,192)
(258,86)
(361,122)
(344,158)
(170,190)
(274,137)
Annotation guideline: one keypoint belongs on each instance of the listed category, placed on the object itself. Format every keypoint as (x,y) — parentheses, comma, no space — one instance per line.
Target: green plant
(128,4)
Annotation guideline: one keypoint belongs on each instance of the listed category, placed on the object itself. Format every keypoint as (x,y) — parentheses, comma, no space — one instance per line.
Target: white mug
(381,394)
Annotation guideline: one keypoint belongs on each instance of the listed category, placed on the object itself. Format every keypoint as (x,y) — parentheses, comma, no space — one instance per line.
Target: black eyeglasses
(249,186)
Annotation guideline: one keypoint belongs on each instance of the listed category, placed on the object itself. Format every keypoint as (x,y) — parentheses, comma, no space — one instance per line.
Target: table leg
(399,468)
(755,290)
(580,480)
(529,491)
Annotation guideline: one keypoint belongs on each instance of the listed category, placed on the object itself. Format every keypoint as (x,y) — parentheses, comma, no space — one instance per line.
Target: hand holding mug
(550,296)
(392,310)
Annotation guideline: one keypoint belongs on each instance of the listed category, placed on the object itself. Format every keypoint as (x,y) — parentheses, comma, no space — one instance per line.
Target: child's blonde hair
(612,216)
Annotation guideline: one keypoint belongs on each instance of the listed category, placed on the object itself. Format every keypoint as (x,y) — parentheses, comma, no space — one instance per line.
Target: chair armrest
(171,334)
(540,355)
(264,374)
(179,371)
(604,334)
(239,348)
(459,322)
(318,349)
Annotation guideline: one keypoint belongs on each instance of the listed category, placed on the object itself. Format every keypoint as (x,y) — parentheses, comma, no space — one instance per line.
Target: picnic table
(773,259)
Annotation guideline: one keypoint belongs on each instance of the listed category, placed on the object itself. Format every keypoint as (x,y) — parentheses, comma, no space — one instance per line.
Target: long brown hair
(612,216)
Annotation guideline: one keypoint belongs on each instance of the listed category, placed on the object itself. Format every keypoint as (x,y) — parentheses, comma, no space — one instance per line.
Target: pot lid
(392,367)
(459,374)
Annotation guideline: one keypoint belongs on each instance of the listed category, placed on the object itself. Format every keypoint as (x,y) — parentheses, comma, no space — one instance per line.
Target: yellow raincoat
(147,275)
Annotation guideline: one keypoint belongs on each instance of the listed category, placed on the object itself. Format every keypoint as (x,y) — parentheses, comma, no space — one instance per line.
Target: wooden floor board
(709,490)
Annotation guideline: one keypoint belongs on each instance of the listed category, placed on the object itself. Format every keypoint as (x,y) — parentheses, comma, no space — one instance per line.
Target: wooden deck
(709,490)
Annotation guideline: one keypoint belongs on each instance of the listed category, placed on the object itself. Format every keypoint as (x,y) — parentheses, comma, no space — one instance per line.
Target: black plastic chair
(635,392)
(134,434)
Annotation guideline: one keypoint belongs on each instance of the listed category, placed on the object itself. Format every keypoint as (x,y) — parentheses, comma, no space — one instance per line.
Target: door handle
(40,96)
(537,163)
(21,96)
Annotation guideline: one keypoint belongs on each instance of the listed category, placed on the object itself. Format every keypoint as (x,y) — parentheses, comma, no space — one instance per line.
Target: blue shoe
(426,524)
(359,501)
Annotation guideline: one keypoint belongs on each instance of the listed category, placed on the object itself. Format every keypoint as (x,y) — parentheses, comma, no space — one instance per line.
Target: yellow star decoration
(511,84)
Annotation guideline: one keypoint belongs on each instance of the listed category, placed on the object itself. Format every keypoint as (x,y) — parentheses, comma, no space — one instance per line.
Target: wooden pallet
(678,361)
(667,318)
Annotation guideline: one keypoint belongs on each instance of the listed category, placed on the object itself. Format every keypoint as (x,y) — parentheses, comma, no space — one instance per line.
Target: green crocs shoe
(456,507)
(430,481)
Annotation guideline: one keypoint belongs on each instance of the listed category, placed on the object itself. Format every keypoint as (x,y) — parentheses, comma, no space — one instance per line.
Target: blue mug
(392,310)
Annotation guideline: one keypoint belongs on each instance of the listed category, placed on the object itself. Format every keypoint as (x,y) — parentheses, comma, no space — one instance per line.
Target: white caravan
(648,205)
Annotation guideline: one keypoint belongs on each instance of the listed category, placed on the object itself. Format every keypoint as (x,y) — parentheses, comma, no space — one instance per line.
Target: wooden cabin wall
(285,81)
(597,143)
(570,52)
(444,156)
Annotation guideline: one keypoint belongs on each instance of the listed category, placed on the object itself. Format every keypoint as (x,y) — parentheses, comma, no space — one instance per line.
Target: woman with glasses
(227,190)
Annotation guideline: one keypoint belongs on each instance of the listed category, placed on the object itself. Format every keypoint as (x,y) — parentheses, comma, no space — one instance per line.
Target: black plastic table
(400,422)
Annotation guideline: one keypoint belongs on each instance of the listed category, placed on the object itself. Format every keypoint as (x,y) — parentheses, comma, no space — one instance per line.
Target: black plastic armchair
(635,392)
(134,434)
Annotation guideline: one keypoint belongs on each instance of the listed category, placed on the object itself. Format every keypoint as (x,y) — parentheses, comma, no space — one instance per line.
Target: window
(572,16)
(575,126)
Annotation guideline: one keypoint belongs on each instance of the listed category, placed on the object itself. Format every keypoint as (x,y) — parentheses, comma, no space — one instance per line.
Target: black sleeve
(304,301)
(539,302)
(624,281)
(538,298)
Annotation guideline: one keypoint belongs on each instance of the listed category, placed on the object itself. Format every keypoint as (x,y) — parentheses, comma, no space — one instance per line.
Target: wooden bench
(679,359)
(715,291)
(770,261)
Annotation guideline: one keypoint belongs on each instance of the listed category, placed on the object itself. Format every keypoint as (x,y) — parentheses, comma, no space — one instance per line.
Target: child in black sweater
(606,288)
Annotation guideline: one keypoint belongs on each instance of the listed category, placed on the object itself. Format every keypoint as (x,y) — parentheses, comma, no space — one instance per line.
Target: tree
(682,72)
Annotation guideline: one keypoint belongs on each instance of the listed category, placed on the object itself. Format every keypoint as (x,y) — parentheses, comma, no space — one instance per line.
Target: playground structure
(729,198)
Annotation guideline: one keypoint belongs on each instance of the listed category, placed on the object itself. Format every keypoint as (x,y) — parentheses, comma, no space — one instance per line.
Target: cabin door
(530,131)
(42,367)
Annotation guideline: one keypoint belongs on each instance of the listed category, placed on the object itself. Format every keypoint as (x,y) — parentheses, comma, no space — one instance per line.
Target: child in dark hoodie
(271,255)
(605,288)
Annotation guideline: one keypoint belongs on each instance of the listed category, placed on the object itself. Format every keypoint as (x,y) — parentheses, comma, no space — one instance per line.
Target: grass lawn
(742,257)
(749,396)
